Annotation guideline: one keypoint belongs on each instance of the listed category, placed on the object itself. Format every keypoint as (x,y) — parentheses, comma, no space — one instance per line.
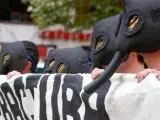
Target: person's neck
(26,72)
(153,62)
(133,66)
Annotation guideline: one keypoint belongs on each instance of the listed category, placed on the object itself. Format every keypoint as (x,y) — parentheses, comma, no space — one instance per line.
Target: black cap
(13,57)
(32,52)
(69,60)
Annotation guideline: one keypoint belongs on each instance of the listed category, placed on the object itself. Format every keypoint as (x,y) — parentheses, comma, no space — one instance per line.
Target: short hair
(141,60)
(33,53)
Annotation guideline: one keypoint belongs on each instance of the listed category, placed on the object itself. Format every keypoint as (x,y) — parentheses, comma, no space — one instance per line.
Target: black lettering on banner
(15,108)
(31,83)
(73,82)
(56,86)
(43,88)
(0,109)
(99,114)
(4,108)
(102,92)
(32,117)
(90,114)
(18,85)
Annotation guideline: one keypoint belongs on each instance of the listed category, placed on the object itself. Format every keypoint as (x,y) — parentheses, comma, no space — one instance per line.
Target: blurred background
(53,24)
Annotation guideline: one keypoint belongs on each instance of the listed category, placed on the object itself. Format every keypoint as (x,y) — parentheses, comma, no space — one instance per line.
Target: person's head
(32,56)
(103,41)
(13,56)
(104,38)
(70,60)
(139,32)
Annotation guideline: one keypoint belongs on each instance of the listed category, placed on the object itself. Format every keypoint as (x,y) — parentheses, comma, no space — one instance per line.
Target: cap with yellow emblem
(13,56)
(69,60)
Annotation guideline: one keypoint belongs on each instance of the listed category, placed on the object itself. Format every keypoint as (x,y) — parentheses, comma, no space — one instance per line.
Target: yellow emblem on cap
(51,63)
(133,22)
(5,59)
(60,68)
(99,42)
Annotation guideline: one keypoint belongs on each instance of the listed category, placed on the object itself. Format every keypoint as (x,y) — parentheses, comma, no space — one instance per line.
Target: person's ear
(28,66)
(132,54)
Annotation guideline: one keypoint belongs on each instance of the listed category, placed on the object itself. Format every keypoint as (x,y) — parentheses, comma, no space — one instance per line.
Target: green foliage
(80,14)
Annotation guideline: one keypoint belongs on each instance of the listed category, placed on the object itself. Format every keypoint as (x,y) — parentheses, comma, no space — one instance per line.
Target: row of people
(127,32)
(21,57)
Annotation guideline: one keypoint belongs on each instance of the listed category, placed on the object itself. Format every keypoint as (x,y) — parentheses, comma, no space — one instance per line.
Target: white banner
(61,97)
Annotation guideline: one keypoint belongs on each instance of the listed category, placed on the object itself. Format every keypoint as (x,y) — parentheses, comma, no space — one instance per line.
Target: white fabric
(125,100)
